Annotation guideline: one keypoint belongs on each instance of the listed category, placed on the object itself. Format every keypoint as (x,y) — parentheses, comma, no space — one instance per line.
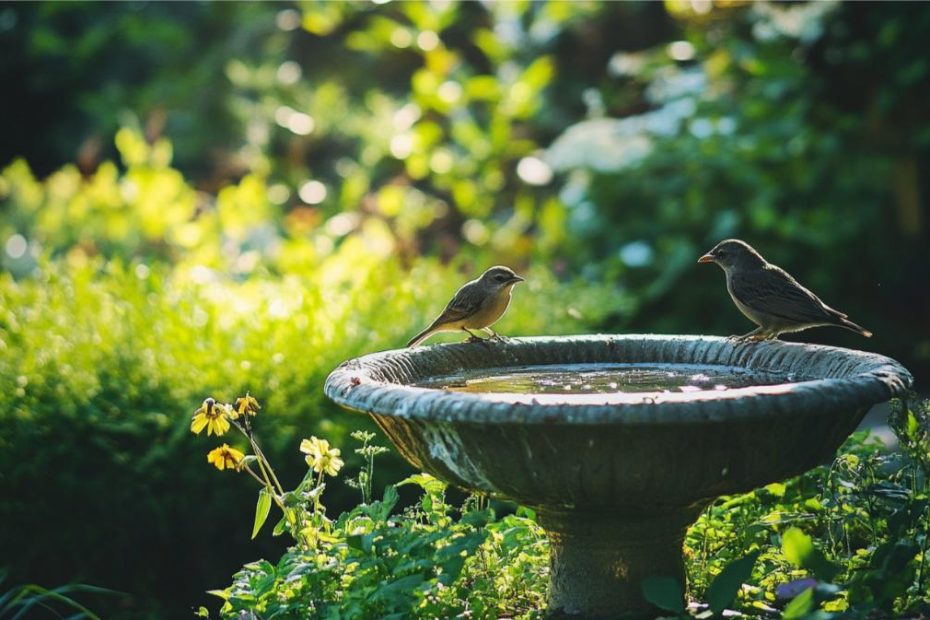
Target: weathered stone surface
(630,467)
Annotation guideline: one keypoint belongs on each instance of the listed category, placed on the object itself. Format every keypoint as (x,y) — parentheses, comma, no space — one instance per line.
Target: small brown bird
(769,297)
(477,305)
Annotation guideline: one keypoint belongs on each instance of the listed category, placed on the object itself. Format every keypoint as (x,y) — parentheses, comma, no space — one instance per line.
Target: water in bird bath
(604,379)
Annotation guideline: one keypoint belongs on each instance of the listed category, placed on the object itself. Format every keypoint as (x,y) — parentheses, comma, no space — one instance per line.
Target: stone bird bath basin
(620,455)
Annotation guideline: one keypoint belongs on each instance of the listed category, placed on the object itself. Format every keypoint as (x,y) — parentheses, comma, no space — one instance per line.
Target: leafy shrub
(846,539)
(431,562)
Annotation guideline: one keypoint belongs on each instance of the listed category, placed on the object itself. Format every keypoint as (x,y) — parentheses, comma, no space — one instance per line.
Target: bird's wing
(466,302)
(771,290)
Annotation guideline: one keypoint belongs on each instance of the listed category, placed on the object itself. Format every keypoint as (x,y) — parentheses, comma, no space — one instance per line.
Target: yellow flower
(225,457)
(247,405)
(320,457)
(211,415)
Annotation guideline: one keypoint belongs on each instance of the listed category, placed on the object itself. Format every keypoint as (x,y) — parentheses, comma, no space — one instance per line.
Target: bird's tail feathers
(423,335)
(844,322)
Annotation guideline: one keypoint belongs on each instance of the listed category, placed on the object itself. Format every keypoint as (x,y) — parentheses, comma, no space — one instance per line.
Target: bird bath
(617,442)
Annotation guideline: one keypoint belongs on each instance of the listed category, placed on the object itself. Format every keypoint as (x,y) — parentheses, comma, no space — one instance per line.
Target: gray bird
(477,305)
(769,297)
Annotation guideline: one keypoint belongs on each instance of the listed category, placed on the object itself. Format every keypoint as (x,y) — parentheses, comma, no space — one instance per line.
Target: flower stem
(264,484)
(263,464)
(366,492)
(263,460)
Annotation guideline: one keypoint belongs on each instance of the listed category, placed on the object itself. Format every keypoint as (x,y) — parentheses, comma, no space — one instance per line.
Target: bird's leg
(495,336)
(472,337)
(761,337)
(755,335)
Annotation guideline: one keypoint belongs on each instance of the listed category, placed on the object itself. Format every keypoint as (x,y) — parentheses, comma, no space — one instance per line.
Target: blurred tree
(744,130)
(80,70)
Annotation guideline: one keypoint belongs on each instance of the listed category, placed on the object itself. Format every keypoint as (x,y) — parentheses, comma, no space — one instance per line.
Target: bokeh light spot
(16,246)
(401,38)
(312,192)
(680,50)
(441,162)
(289,72)
(342,223)
(289,19)
(636,254)
(283,114)
(450,91)
(301,124)
(534,171)
(475,232)
(405,117)
(278,193)
(402,146)
(427,40)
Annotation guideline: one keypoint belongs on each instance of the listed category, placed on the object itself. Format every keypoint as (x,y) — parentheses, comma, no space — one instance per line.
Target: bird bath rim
(380,383)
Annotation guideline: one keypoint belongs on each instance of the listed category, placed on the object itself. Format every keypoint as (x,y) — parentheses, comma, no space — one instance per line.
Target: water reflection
(604,379)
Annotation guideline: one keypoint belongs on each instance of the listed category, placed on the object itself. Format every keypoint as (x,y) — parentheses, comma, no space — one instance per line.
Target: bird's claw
(474,339)
(499,338)
(751,338)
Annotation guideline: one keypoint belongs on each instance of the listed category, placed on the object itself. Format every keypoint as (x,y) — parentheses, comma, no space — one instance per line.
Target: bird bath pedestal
(616,464)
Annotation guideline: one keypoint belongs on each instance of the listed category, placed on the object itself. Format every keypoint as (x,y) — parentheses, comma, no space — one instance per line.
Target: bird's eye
(500,277)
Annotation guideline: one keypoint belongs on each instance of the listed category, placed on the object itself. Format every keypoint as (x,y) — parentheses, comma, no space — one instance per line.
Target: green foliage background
(212,198)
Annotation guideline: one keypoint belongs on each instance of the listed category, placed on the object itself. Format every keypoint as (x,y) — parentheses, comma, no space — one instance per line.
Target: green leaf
(776,488)
(354,542)
(483,87)
(800,606)
(294,500)
(424,481)
(261,511)
(477,518)
(665,593)
(403,584)
(539,73)
(728,583)
(451,569)
(280,527)
(813,504)
(389,500)
(797,547)
(361,542)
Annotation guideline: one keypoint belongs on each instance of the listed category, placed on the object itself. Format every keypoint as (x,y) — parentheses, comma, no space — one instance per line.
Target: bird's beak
(516,279)
(707,258)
